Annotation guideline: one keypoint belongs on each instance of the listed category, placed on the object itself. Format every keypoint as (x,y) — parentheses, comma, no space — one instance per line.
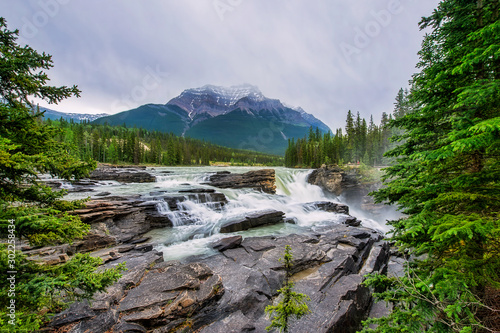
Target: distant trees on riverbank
(360,141)
(119,144)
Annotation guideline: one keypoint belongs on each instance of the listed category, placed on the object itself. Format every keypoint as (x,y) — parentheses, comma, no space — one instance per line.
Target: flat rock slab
(125,175)
(328,206)
(165,294)
(263,180)
(256,219)
(227,243)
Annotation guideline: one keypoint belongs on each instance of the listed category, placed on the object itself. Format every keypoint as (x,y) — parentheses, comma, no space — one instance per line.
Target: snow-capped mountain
(237,117)
(215,100)
(78,117)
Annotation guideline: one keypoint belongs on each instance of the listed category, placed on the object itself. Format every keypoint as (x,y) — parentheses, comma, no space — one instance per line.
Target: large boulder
(263,180)
(352,186)
(333,179)
(116,220)
(328,206)
(123,175)
(256,219)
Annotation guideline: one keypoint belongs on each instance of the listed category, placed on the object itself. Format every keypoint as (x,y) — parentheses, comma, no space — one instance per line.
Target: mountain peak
(234,93)
(237,116)
(216,100)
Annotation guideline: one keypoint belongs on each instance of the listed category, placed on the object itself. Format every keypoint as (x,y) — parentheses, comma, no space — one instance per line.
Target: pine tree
(350,137)
(292,304)
(28,147)
(446,177)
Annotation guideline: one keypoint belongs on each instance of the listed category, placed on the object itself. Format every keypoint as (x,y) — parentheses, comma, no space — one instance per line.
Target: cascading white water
(197,221)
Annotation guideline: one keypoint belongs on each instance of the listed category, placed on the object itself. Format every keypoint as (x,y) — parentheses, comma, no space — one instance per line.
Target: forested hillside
(119,144)
(359,142)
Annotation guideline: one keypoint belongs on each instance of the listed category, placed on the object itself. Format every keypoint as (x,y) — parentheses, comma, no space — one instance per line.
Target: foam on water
(197,221)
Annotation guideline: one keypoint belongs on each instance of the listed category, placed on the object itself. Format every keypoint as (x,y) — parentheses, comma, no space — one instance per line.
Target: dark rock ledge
(263,180)
(124,175)
(229,291)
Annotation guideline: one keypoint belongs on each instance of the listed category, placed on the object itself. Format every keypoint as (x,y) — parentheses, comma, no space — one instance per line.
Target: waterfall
(197,218)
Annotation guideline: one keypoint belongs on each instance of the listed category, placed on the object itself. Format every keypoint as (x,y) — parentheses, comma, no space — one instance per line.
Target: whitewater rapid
(196,223)
(294,196)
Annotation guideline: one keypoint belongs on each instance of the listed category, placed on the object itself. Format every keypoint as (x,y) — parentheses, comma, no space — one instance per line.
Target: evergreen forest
(122,145)
(360,142)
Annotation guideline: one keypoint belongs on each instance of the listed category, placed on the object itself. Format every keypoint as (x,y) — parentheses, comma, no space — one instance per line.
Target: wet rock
(79,189)
(102,194)
(202,197)
(124,175)
(328,206)
(77,311)
(198,190)
(257,219)
(157,193)
(84,182)
(101,323)
(227,243)
(352,221)
(263,180)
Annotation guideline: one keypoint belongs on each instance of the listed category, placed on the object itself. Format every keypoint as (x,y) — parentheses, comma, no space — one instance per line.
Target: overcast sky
(327,56)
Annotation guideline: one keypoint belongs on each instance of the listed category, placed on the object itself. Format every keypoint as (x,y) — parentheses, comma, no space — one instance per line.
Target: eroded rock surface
(263,180)
(334,179)
(328,264)
(256,219)
(229,291)
(124,175)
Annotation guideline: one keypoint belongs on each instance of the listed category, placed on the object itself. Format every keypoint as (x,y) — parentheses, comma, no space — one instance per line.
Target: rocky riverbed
(227,290)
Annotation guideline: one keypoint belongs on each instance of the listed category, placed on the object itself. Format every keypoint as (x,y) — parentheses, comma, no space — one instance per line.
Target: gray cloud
(325,56)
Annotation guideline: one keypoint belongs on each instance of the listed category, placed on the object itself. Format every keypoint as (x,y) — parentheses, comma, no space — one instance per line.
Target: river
(197,224)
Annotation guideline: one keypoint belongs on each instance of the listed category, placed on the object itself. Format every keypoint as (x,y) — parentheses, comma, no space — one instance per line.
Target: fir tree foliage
(446,178)
(28,149)
(292,304)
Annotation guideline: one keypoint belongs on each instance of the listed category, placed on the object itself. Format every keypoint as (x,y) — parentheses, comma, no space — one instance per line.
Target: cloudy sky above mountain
(327,56)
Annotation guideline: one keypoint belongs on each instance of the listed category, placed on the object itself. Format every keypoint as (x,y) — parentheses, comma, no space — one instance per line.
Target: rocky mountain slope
(236,117)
